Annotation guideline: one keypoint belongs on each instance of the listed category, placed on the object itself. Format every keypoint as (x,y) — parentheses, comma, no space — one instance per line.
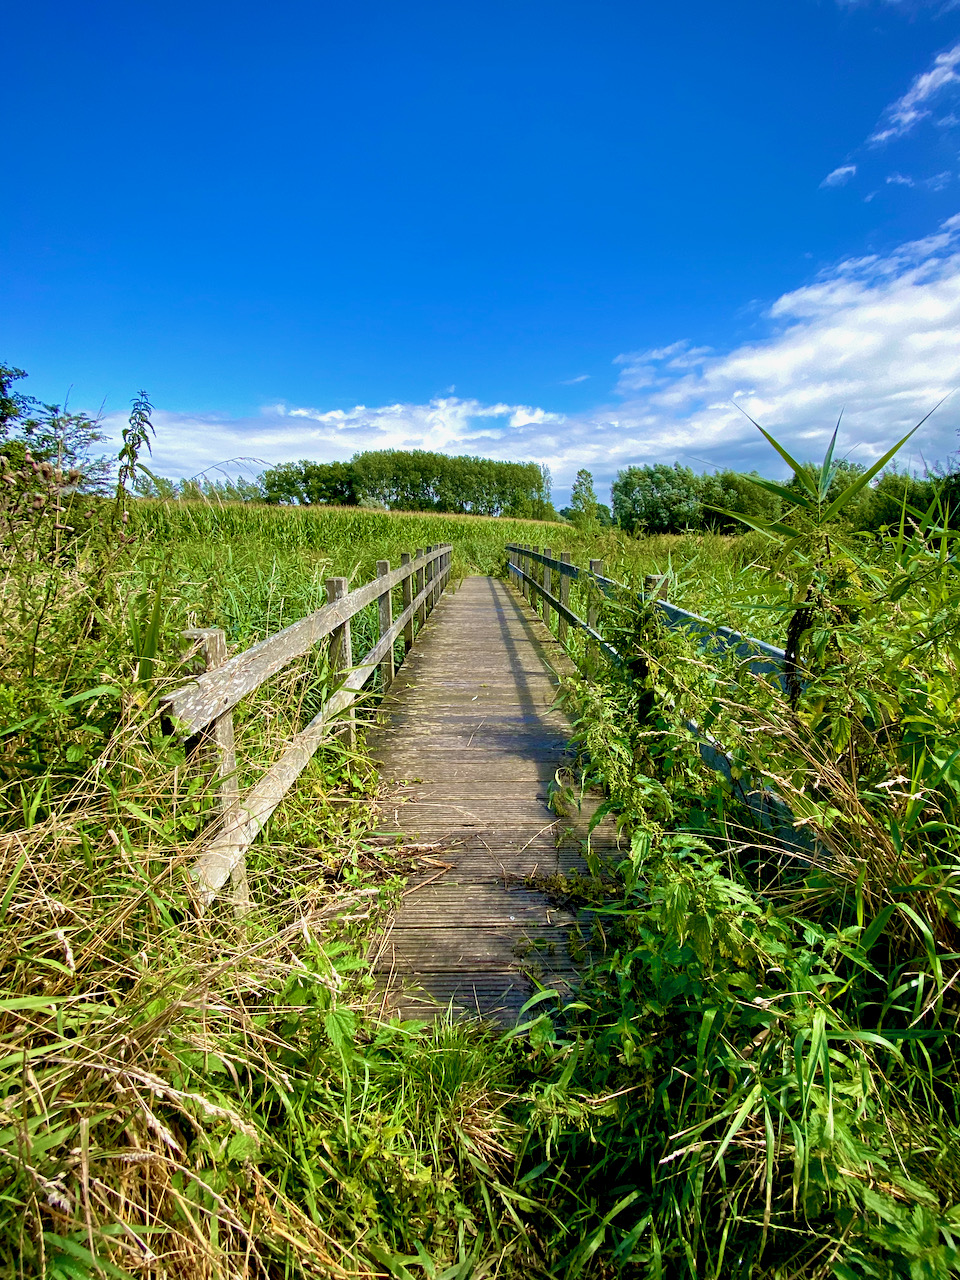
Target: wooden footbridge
(468,740)
(472,742)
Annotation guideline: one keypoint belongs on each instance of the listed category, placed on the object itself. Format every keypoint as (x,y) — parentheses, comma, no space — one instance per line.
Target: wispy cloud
(901,116)
(572,382)
(877,336)
(899,180)
(837,177)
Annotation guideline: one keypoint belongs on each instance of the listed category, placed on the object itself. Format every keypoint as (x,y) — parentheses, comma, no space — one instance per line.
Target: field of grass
(759,1077)
(252,569)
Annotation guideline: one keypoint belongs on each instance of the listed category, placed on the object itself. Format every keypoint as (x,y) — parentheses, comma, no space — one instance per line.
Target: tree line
(675,499)
(416,480)
(656,498)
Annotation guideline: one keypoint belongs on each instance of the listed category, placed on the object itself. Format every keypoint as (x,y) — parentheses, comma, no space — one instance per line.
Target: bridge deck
(469,735)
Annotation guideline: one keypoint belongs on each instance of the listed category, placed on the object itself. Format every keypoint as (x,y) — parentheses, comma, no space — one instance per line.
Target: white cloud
(188,444)
(837,177)
(572,382)
(901,116)
(523,416)
(899,180)
(876,336)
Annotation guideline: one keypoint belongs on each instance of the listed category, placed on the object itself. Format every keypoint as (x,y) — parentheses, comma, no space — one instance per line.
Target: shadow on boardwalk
(470,731)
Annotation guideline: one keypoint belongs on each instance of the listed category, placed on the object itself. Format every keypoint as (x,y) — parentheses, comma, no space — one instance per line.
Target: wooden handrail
(606,585)
(195,705)
(764,659)
(211,697)
(768,807)
(566,613)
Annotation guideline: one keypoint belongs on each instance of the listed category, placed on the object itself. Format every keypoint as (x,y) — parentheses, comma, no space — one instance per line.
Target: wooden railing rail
(541,590)
(763,658)
(564,567)
(210,698)
(535,583)
(196,704)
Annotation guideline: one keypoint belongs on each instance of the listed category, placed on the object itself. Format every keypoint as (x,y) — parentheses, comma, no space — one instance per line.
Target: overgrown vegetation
(658,498)
(182,1094)
(758,1077)
(770,1038)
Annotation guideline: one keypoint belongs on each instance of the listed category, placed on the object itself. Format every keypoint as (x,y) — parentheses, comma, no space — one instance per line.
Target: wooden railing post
(525,565)
(219,735)
(563,596)
(341,652)
(385,607)
(407,588)
(655,586)
(422,610)
(547,583)
(535,596)
(596,568)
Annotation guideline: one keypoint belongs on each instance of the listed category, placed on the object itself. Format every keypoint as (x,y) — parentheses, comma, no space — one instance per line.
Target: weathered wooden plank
(472,716)
(466,714)
(214,643)
(466,793)
(481,903)
(385,610)
(453,949)
(341,651)
(407,586)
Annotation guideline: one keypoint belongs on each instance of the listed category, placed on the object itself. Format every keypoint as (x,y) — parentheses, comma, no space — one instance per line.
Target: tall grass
(757,1079)
(768,1032)
(181,1095)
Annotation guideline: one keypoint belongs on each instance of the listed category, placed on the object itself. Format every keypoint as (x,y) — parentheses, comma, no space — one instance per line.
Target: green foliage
(416,480)
(660,499)
(136,438)
(759,1076)
(583,502)
(308,483)
(656,499)
(31,432)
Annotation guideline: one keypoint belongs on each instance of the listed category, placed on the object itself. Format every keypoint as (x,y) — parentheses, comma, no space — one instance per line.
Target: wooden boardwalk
(470,738)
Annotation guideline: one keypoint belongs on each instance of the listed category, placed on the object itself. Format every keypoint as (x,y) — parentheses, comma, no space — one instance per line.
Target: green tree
(416,480)
(726,495)
(657,499)
(49,433)
(583,501)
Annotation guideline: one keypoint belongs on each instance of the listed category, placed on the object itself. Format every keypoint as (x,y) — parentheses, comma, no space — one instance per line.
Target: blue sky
(571,232)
